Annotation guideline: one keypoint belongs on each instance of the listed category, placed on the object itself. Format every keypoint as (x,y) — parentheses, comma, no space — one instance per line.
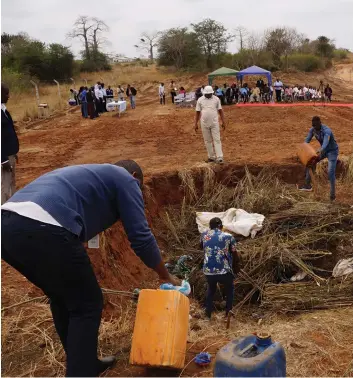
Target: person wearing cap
(208,107)
(329,150)
(221,262)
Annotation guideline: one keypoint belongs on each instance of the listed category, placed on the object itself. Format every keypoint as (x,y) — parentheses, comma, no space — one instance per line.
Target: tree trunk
(151,52)
(88,55)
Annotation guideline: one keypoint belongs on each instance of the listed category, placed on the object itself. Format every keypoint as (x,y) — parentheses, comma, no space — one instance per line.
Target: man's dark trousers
(227,281)
(278,95)
(55,260)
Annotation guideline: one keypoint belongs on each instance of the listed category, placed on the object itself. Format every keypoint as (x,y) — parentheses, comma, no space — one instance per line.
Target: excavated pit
(115,263)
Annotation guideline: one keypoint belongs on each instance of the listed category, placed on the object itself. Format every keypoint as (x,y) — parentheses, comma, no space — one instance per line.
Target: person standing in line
(74,95)
(97,100)
(328,92)
(278,85)
(100,98)
(90,103)
(221,262)
(84,106)
(173,89)
(120,91)
(9,148)
(43,228)
(131,93)
(208,108)
(110,94)
(329,149)
(104,107)
(161,92)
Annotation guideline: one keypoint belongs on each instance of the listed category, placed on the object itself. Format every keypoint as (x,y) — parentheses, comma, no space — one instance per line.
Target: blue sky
(50,20)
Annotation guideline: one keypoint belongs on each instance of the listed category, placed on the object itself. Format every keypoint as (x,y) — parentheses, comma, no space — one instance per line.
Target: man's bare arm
(197,119)
(221,113)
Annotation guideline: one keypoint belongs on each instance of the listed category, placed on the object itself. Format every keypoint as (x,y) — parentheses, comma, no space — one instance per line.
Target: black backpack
(133,91)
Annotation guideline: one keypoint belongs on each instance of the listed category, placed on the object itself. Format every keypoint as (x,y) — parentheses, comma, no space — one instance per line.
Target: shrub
(16,81)
(305,62)
(340,54)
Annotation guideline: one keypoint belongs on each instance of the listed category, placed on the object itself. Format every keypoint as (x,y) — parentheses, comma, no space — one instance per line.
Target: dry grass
(31,347)
(23,106)
(299,234)
(316,344)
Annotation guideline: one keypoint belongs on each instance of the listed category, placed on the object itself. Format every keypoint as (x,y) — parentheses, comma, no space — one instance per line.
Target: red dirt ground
(161,138)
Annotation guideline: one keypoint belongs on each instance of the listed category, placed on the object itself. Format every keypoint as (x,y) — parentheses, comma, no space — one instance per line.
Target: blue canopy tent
(254,70)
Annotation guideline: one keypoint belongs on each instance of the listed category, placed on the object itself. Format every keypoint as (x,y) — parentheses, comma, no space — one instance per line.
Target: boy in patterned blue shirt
(220,263)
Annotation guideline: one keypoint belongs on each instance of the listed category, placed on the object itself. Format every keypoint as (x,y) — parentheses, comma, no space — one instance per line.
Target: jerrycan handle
(247,349)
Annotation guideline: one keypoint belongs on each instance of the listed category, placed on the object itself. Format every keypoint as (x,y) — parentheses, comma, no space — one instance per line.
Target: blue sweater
(88,199)
(325,137)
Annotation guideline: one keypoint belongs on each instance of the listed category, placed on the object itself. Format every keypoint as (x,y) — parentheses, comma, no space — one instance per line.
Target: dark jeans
(84,109)
(162,99)
(55,260)
(332,157)
(227,281)
(278,95)
(173,94)
(91,110)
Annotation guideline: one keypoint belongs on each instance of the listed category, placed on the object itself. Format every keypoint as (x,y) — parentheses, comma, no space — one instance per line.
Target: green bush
(305,62)
(16,81)
(340,54)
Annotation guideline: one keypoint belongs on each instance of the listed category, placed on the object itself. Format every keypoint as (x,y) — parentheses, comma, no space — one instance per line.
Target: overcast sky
(50,20)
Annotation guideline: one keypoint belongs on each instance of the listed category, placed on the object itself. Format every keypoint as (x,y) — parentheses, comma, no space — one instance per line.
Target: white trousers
(212,138)
(8,181)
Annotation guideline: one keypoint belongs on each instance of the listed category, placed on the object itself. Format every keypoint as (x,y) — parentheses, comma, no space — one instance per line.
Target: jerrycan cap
(263,339)
(263,335)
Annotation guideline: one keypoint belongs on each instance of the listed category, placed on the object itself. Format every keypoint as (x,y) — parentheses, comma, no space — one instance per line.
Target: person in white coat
(208,108)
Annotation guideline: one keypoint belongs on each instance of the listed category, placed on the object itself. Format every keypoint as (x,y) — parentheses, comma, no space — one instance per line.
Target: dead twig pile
(308,295)
(299,235)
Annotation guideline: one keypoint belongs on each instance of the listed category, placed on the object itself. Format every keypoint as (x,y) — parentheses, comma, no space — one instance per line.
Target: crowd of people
(262,92)
(93,100)
(173,90)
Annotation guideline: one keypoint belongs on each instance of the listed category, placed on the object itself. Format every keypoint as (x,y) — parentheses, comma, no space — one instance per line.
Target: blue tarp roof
(255,70)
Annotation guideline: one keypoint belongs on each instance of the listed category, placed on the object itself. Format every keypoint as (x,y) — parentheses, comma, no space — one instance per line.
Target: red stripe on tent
(297,104)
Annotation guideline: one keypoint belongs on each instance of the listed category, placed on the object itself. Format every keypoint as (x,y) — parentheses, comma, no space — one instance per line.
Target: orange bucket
(307,154)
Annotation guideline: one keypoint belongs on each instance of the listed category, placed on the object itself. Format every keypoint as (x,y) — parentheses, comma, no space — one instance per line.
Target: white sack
(343,267)
(237,221)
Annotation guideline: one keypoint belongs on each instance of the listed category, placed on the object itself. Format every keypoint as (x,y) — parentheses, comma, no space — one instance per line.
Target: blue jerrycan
(251,356)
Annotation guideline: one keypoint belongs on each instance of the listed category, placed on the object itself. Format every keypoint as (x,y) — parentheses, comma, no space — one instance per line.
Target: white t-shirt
(161,90)
(209,110)
(278,85)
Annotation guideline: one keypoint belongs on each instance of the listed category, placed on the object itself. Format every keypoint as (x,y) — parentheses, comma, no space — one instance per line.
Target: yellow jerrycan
(161,329)
(307,154)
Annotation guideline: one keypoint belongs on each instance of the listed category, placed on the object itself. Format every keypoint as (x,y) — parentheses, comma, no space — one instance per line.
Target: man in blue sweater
(43,227)
(329,150)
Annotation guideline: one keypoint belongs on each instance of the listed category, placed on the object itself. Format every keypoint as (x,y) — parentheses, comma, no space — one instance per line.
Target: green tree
(281,42)
(213,38)
(180,48)
(325,47)
(60,61)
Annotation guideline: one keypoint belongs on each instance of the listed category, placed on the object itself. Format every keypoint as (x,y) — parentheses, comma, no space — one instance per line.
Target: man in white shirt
(120,92)
(278,85)
(161,92)
(208,107)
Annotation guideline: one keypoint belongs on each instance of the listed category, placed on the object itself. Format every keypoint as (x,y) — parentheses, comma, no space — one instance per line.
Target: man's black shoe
(106,363)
